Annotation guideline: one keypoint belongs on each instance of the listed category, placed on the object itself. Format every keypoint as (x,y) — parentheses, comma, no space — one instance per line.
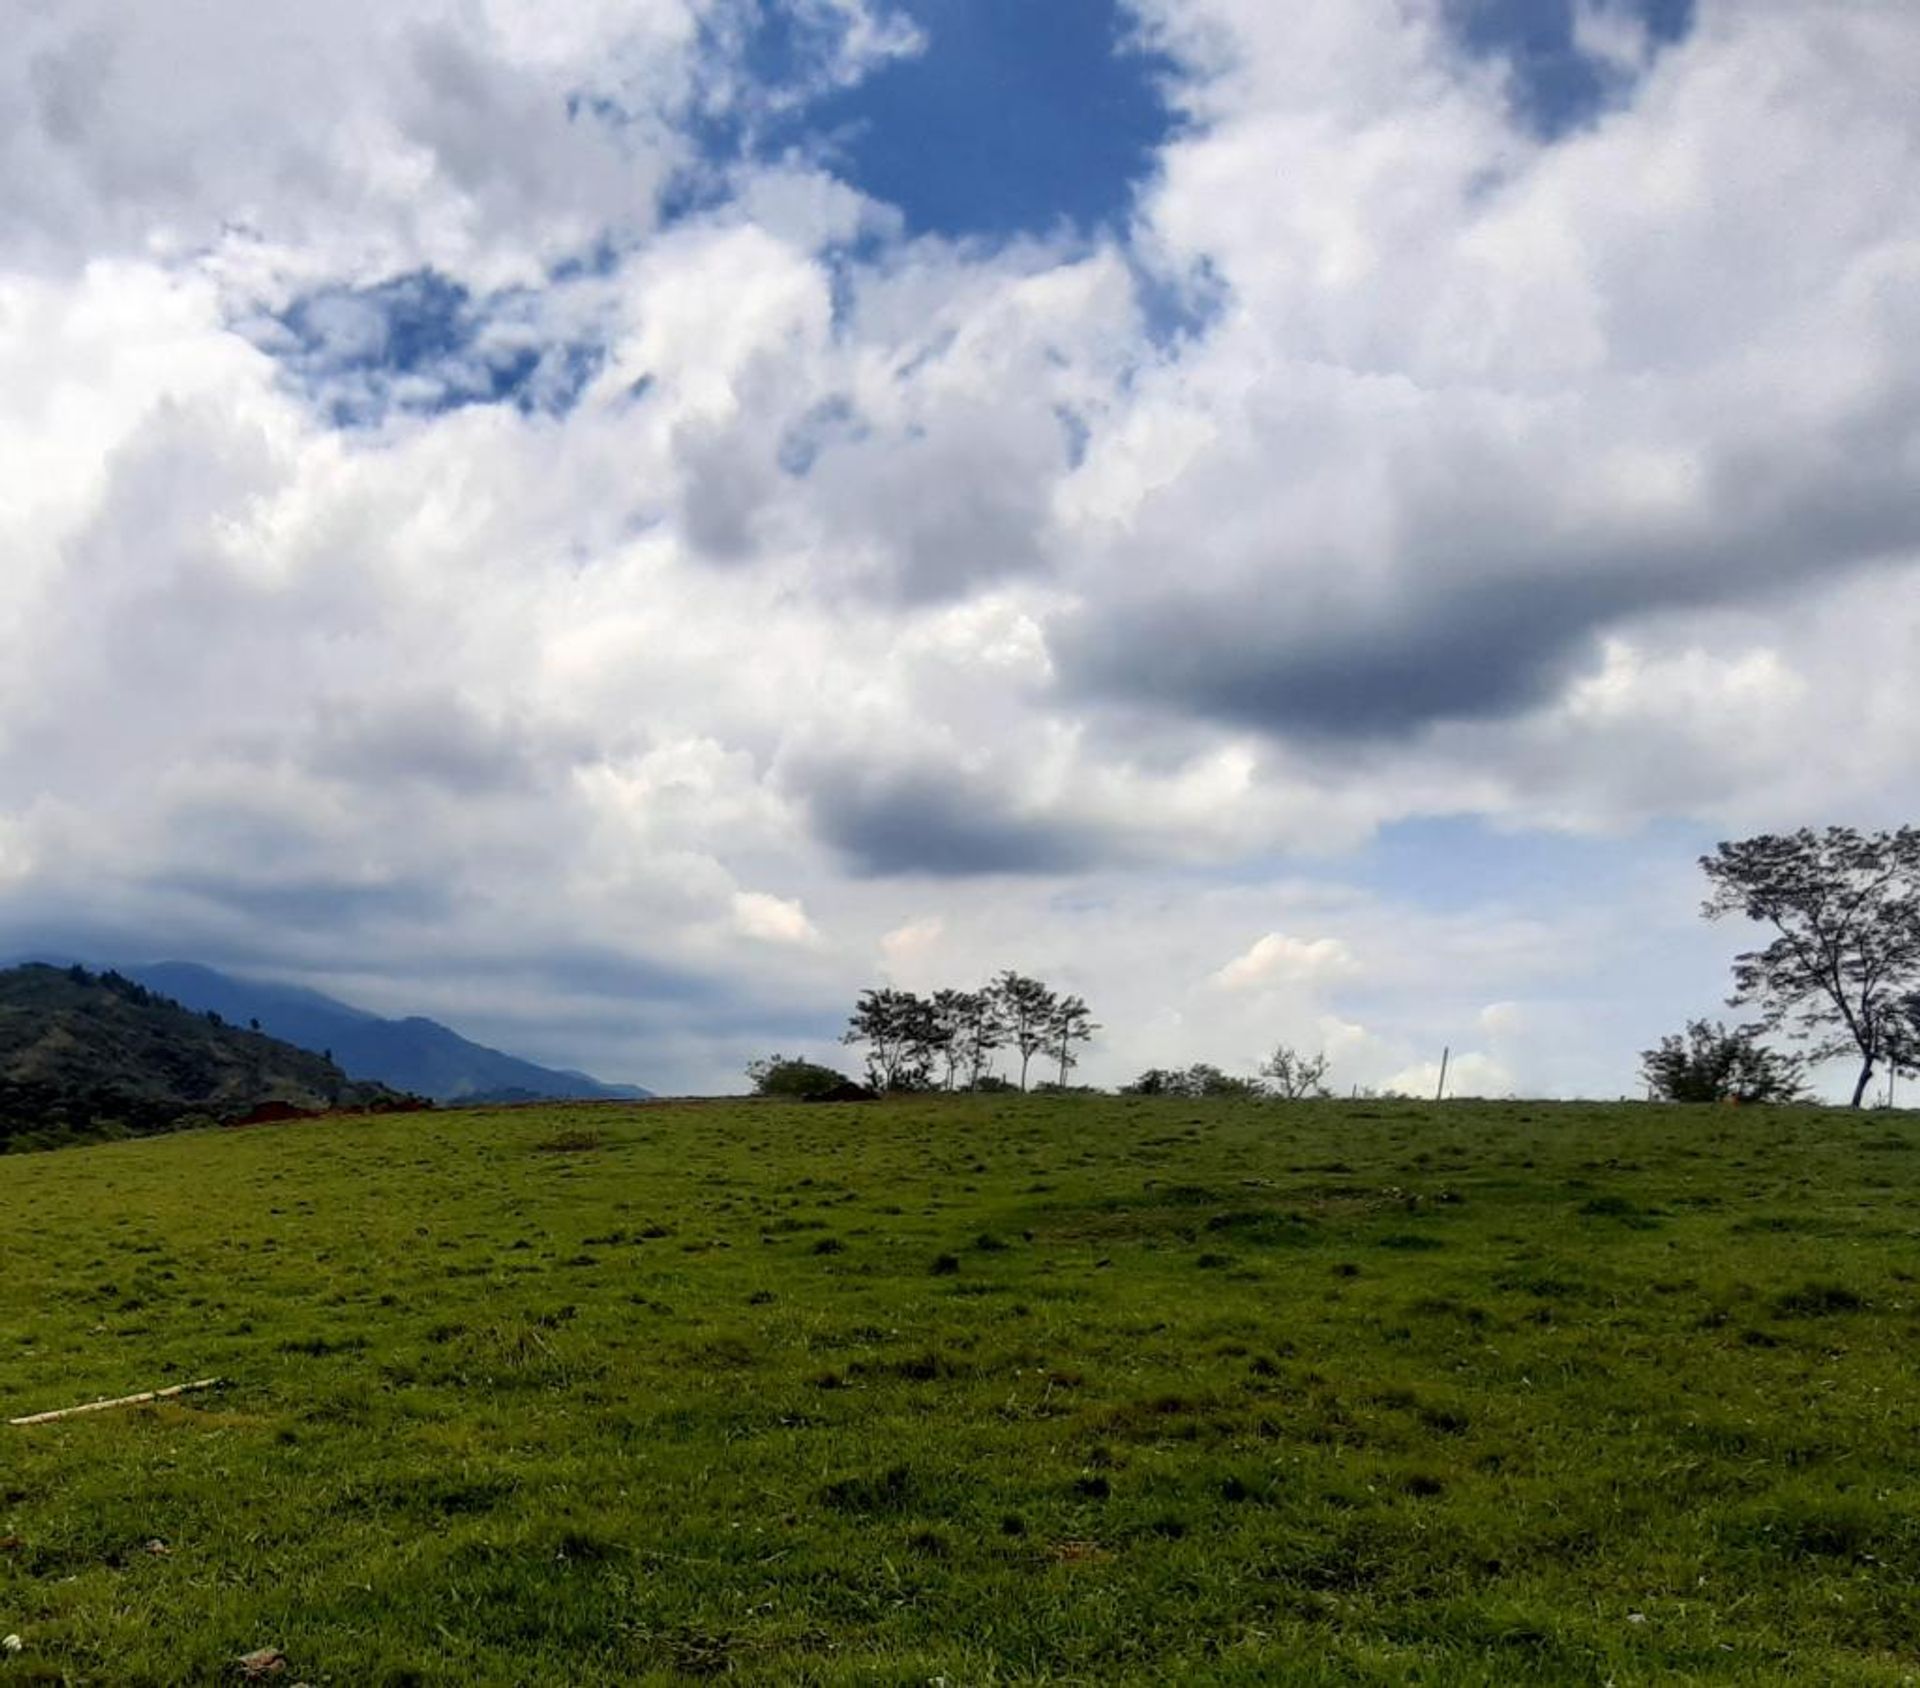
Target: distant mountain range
(85,1055)
(419,1056)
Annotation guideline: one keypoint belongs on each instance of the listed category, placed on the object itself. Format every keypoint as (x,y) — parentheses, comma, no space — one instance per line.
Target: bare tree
(1843,968)
(1294,1077)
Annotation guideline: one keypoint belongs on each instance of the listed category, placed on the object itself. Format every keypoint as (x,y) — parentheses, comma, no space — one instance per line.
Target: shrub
(1709,1063)
(1201,1079)
(789,1076)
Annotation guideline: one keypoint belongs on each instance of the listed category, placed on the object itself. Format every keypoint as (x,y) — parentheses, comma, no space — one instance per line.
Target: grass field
(976,1390)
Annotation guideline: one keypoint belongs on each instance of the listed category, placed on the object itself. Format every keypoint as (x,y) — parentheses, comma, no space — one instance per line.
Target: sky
(618,526)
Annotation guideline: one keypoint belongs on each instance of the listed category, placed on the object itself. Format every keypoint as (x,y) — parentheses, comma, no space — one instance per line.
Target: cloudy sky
(617,525)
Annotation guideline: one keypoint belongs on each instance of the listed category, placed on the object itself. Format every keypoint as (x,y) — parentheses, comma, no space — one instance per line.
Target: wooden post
(1440,1089)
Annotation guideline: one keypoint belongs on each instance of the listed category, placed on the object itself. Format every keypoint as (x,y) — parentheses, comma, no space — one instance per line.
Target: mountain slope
(416,1055)
(85,1054)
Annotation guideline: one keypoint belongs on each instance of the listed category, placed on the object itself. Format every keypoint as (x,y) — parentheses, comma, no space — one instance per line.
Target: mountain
(416,1055)
(94,1055)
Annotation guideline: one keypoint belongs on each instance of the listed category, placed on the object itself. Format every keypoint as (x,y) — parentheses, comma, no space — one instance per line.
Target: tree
(1026,1008)
(1155,1081)
(1206,1080)
(1072,1023)
(948,1014)
(981,1033)
(1294,1077)
(896,1026)
(1906,1022)
(1843,967)
(1709,1063)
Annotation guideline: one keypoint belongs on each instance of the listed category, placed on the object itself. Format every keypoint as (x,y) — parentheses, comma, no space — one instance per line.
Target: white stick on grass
(119,1401)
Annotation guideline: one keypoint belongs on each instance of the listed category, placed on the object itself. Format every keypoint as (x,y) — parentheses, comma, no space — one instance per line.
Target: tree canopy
(950,1038)
(1842,970)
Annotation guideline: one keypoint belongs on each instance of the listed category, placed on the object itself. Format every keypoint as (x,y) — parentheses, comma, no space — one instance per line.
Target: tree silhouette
(1843,969)
(896,1027)
(982,1032)
(1026,1010)
(1072,1023)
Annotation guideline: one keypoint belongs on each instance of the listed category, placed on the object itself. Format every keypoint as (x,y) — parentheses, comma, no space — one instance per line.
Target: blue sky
(618,527)
(1556,86)
(1014,117)
(1019,115)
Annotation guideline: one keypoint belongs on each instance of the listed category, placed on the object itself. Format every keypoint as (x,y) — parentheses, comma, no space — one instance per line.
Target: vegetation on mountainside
(85,1055)
(979,1388)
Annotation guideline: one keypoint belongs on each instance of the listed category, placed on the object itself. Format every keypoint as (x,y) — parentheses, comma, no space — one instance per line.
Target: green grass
(996,1390)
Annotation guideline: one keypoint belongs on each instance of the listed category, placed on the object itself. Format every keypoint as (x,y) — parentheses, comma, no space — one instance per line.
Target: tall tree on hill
(1026,1008)
(947,1017)
(982,1032)
(1842,971)
(896,1028)
(1072,1023)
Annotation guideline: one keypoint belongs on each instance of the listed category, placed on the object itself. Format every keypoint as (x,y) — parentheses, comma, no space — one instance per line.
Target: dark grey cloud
(591,1006)
(954,504)
(1499,599)
(141,930)
(432,740)
(316,905)
(935,508)
(623,975)
(727,480)
(1482,651)
(938,823)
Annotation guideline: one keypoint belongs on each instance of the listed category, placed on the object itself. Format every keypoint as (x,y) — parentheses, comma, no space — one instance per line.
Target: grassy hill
(87,1055)
(973,1390)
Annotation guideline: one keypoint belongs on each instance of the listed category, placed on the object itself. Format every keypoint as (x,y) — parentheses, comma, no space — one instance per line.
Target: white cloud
(1502,1021)
(911,953)
(772,920)
(1470,1073)
(1280,959)
(355,137)
(1614,33)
